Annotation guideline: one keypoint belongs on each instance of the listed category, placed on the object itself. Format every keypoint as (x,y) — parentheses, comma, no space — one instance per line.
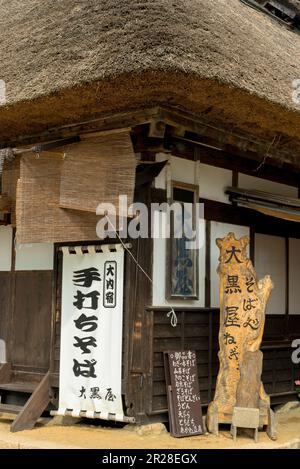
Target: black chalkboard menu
(185,414)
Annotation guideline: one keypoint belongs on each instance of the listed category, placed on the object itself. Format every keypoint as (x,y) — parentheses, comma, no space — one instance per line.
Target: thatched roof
(65,61)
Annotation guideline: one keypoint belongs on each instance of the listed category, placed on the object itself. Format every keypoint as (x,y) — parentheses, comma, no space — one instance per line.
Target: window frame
(168,294)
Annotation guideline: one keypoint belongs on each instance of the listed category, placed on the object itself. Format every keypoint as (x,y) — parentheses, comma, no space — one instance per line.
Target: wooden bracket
(157,129)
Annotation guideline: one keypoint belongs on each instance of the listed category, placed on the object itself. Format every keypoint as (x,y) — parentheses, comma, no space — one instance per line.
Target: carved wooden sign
(243,301)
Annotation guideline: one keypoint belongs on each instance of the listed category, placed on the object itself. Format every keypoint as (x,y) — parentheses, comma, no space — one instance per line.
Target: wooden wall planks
(31,320)
(193,331)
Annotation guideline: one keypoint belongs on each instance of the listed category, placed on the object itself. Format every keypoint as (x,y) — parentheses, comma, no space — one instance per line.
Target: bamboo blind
(10,176)
(58,193)
(39,217)
(97,171)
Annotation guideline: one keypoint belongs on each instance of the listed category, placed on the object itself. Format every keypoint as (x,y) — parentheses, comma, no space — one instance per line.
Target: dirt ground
(47,435)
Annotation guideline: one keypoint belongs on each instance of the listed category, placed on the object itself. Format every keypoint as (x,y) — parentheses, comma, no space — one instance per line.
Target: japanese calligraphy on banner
(91,332)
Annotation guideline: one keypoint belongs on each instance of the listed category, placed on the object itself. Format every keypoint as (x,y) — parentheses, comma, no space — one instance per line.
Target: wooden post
(5,369)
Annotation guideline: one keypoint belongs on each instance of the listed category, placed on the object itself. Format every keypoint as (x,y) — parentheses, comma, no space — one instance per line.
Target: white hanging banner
(91,332)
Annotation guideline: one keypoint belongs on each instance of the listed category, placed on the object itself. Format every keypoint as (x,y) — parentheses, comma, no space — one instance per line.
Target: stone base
(245,417)
(272,425)
(144,430)
(214,418)
(284,408)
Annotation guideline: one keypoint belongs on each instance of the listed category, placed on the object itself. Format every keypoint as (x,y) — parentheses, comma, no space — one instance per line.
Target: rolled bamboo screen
(98,170)
(10,176)
(39,217)
(58,192)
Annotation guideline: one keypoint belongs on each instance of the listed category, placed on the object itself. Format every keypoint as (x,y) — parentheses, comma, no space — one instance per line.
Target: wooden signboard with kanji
(243,300)
(185,414)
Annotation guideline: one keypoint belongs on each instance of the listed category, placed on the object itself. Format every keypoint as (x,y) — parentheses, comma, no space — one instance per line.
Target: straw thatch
(65,61)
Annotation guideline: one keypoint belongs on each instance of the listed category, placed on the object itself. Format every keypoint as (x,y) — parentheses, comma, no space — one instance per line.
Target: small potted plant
(297,387)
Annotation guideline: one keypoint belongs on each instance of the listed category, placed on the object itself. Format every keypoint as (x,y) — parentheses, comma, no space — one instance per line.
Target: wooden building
(207,93)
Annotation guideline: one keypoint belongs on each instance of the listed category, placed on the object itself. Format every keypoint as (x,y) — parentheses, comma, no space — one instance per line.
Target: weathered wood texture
(25,317)
(148,333)
(248,388)
(34,407)
(227,213)
(31,321)
(138,331)
(5,371)
(199,328)
(243,300)
(193,331)
(145,397)
(184,403)
(5,308)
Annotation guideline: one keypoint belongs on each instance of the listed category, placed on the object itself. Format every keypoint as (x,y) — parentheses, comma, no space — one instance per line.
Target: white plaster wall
(294,276)
(37,256)
(183,170)
(160,181)
(6,239)
(2,351)
(219,230)
(254,183)
(212,181)
(270,259)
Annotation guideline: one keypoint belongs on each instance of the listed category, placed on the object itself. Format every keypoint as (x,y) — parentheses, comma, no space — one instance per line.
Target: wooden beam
(286,174)
(5,369)
(145,173)
(182,123)
(34,407)
(225,138)
(107,122)
(225,213)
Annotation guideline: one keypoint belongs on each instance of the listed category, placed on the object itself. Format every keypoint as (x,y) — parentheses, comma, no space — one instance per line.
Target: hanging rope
(171,314)
(274,144)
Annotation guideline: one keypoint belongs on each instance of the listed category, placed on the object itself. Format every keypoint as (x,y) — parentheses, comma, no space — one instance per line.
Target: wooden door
(31,321)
